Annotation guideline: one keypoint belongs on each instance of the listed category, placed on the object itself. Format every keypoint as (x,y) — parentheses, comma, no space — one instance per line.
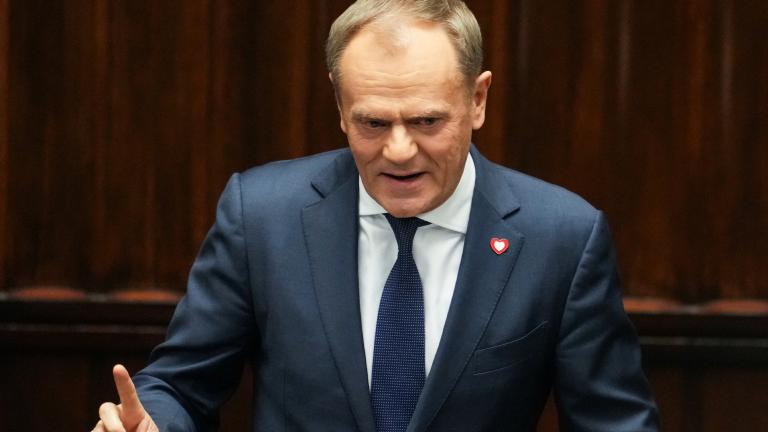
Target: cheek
(365,153)
(447,148)
(361,145)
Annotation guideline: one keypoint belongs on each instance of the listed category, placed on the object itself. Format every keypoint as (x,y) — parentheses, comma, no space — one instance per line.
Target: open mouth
(403,177)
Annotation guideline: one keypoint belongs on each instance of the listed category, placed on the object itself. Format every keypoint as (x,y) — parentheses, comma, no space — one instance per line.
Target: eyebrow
(433,113)
(363,116)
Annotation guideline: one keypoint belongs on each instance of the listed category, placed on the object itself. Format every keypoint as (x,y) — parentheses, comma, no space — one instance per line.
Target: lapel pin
(499,245)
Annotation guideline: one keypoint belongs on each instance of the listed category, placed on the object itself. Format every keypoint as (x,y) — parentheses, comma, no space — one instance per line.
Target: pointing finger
(131,406)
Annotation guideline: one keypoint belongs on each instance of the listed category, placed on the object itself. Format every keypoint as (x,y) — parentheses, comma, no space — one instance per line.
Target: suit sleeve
(599,383)
(199,365)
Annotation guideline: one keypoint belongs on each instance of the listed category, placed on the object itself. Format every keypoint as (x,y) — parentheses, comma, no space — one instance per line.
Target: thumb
(131,409)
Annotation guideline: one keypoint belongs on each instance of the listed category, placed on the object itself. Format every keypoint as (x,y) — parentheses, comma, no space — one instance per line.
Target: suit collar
(335,174)
(491,183)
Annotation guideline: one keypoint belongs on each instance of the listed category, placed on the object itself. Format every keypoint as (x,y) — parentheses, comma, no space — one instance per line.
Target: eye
(374,124)
(371,123)
(426,121)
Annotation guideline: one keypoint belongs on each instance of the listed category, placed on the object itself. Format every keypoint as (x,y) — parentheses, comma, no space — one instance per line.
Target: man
(406,283)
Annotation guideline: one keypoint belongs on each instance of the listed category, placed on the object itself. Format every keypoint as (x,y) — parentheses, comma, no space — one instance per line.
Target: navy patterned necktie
(398,350)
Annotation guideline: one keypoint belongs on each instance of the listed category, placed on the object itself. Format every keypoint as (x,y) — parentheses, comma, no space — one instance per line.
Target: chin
(403,214)
(402,210)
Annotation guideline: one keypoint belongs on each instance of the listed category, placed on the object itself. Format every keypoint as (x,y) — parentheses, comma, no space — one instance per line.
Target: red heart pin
(499,245)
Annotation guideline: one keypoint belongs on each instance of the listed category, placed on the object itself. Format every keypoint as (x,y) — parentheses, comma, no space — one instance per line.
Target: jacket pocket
(509,353)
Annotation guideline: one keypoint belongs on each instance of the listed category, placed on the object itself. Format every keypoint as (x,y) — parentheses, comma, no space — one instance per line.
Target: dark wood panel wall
(655,111)
(120,122)
(4,106)
(123,119)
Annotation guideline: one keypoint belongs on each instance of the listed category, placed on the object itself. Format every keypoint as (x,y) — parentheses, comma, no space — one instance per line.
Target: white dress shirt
(437,250)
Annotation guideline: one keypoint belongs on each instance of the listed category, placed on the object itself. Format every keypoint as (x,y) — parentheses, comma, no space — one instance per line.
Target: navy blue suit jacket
(276,284)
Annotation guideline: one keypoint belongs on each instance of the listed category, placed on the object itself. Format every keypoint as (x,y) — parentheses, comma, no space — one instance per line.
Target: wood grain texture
(52,140)
(126,118)
(631,104)
(690,189)
(160,62)
(4,212)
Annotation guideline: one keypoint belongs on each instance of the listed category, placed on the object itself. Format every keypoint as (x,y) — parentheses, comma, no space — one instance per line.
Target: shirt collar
(453,214)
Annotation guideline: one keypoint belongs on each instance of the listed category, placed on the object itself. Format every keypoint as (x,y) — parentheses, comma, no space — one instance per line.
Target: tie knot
(405,229)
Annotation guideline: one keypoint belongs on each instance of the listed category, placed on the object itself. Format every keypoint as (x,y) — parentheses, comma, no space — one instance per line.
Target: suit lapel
(330,230)
(480,282)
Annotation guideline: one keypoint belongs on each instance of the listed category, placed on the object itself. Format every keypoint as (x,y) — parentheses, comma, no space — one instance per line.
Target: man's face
(408,114)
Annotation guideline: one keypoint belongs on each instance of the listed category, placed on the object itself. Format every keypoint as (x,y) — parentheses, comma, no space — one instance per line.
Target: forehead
(402,60)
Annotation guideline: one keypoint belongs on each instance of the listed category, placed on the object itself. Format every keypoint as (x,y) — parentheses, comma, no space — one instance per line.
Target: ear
(337,96)
(479,99)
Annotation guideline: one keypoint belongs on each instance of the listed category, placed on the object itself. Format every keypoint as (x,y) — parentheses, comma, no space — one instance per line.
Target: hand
(130,415)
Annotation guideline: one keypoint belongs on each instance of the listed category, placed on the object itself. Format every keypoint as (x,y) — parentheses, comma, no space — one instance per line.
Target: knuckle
(105,407)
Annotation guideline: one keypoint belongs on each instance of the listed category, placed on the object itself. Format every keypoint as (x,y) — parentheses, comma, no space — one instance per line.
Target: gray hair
(455,17)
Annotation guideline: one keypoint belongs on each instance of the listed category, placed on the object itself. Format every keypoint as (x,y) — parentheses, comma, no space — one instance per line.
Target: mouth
(407,178)
(403,177)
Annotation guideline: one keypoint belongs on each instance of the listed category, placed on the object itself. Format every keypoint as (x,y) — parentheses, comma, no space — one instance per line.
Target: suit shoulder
(289,172)
(286,185)
(551,216)
(539,194)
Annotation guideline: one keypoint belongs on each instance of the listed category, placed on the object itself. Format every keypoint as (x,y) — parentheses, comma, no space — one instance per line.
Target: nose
(400,146)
